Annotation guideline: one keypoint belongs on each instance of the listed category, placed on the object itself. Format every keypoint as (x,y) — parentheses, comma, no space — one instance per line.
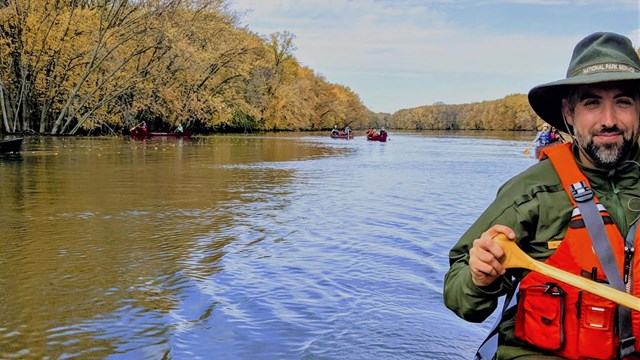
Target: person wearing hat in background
(576,210)
(542,139)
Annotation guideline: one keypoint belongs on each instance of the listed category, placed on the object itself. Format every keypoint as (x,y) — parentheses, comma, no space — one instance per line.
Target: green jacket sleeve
(517,205)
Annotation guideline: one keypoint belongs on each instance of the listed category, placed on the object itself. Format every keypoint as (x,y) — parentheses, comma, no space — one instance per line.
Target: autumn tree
(120,35)
(200,82)
(510,113)
(103,66)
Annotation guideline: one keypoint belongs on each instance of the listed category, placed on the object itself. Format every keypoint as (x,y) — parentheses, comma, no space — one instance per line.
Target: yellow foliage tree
(69,67)
(510,113)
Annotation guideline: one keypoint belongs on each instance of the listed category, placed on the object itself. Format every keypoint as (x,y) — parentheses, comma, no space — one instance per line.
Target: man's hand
(485,256)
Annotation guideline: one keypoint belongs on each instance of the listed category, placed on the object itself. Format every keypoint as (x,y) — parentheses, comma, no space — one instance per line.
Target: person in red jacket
(555,136)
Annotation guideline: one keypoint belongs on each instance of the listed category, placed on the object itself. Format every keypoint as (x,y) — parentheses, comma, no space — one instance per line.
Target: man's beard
(610,154)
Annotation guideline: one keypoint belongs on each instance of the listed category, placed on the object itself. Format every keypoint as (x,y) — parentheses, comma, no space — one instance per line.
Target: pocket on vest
(595,333)
(540,316)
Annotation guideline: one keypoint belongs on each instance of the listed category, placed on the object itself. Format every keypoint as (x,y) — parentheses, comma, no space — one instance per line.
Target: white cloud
(425,53)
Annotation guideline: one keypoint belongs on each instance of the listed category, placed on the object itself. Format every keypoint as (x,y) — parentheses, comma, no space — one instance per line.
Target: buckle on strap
(581,192)
(627,346)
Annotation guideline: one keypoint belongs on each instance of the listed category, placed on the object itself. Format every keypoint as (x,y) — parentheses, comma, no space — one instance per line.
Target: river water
(277,246)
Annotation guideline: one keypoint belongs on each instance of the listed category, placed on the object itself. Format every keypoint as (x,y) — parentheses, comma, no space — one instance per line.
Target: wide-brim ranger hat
(600,57)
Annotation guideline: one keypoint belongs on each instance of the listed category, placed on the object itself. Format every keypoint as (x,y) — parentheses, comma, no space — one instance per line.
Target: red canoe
(377,137)
(342,135)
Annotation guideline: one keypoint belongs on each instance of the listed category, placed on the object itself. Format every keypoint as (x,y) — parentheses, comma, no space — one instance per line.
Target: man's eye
(591,102)
(625,101)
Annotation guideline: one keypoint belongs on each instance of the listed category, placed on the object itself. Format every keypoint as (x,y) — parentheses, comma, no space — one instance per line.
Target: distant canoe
(148,134)
(342,135)
(539,148)
(377,137)
(10,146)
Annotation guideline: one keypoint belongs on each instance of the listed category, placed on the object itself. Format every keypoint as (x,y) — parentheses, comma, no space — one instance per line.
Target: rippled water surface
(294,246)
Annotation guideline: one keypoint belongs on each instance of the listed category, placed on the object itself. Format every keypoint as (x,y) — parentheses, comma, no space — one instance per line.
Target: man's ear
(568,117)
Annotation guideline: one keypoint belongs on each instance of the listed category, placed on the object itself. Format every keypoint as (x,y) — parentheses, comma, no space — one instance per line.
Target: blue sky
(400,54)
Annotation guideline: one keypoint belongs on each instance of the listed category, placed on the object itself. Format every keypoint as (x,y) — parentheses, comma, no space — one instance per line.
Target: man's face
(605,120)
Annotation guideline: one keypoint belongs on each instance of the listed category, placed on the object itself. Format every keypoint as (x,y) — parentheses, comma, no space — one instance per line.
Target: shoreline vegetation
(101,67)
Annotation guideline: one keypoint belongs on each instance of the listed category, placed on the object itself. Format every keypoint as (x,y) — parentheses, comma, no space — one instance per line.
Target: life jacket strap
(627,346)
(581,192)
(627,340)
(600,241)
(489,346)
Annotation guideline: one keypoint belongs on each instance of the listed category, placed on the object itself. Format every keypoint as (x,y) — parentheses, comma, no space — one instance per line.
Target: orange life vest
(562,319)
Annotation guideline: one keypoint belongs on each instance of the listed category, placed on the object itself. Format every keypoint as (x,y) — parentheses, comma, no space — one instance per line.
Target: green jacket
(537,208)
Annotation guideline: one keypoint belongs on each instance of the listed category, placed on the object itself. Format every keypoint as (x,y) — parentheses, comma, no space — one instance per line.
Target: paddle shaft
(526,151)
(516,258)
(138,124)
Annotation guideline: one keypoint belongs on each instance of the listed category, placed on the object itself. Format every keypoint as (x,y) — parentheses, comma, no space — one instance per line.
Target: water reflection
(295,246)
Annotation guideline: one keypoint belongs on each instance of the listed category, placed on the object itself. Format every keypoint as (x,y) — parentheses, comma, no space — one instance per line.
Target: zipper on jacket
(628,258)
(629,250)
(611,176)
(619,208)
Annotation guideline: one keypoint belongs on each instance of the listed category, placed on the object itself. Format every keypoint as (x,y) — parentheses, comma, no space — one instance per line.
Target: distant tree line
(103,66)
(510,113)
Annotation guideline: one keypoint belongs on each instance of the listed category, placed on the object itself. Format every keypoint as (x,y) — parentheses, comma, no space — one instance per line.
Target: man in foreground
(575,210)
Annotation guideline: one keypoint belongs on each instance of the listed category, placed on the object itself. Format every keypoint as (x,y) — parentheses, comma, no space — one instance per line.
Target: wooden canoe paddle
(516,258)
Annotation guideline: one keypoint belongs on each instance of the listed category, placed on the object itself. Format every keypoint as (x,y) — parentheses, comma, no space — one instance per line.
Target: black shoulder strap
(489,346)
